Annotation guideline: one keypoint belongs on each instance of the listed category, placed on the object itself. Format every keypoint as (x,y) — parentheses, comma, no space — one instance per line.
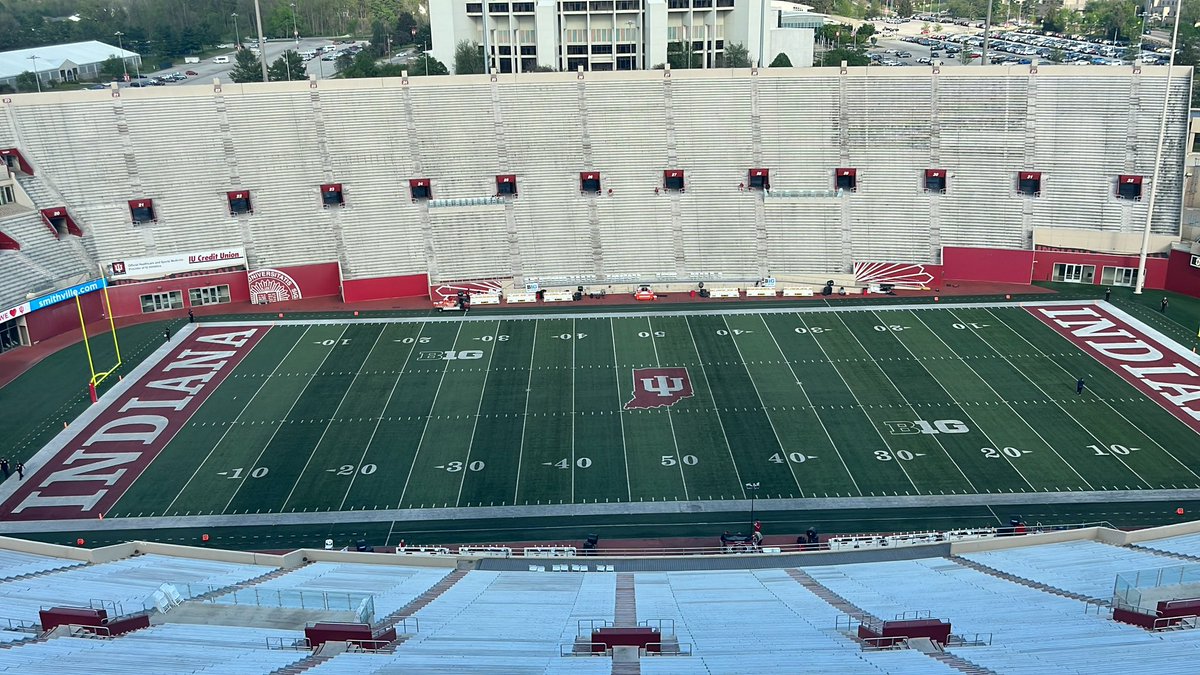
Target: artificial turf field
(418,413)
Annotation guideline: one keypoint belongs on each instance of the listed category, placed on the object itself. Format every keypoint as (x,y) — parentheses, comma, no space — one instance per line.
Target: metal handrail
(851,620)
(276,642)
(591,623)
(574,649)
(369,645)
(977,640)
(916,614)
(659,623)
(671,649)
(1165,623)
(403,622)
(873,644)
(22,625)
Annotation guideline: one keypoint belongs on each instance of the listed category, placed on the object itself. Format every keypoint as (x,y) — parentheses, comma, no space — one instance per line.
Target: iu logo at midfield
(654,387)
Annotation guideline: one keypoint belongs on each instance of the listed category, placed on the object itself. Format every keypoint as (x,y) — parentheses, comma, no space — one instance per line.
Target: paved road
(206,70)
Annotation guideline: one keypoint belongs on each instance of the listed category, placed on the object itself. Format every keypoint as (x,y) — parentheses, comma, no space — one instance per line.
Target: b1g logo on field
(656,387)
(925,427)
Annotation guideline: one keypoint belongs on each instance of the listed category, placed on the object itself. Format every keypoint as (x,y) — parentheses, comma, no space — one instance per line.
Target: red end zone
(102,459)
(1164,373)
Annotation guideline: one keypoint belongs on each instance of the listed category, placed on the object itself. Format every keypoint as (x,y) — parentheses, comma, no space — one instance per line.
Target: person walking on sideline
(1163,307)
(4,467)
(191,317)
(1079,386)
(167,334)
(20,471)
(1107,294)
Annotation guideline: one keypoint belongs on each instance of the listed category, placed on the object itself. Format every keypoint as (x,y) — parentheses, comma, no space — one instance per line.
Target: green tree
(852,57)
(344,61)
(27,82)
(287,67)
(904,8)
(468,58)
(379,39)
(864,32)
(112,68)
(247,67)
(362,65)
(964,57)
(680,57)
(426,65)
(781,61)
(737,56)
(1056,55)
(1109,18)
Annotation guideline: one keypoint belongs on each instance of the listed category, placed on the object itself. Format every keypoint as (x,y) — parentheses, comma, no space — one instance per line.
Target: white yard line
(809,402)
(903,397)
(1106,403)
(861,407)
(961,408)
(329,424)
(1006,402)
(478,409)
(671,420)
(712,397)
(254,465)
(232,425)
(525,417)
(412,348)
(621,412)
(428,418)
(574,341)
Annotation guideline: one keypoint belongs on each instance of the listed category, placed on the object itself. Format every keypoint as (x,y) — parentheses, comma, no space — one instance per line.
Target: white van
(220,59)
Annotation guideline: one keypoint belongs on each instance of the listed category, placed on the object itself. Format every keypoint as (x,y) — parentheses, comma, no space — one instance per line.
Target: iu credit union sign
(657,387)
(164,266)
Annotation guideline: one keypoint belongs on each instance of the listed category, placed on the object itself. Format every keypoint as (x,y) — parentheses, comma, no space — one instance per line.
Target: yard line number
(995,453)
(455,467)
(1114,449)
(349,469)
(690,460)
(797,457)
(815,330)
(259,472)
(901,455)
(564,463)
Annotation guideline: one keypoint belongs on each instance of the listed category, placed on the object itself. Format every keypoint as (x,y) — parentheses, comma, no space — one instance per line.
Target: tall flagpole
(1162,135)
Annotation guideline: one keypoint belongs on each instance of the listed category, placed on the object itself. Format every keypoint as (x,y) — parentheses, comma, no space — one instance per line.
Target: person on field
(167,334)
(191,317)
(1079,386)
(1163,306)
(4,467)
(757,534)
(1107,294)
(20,471)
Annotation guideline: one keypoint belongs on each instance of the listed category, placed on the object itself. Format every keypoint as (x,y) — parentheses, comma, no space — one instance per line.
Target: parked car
(191,73)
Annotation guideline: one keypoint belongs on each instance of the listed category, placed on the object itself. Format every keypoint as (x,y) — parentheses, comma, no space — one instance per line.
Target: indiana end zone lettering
(1161,371)
(103,459)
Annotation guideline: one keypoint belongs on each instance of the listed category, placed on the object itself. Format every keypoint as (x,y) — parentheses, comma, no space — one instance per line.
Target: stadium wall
(987,264)
(1044,262)
(981,125)
(382,288)
(1181,277)
(63,317)
(126,298)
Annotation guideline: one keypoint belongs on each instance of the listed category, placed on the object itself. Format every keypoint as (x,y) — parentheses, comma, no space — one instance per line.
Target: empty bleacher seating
(391,587)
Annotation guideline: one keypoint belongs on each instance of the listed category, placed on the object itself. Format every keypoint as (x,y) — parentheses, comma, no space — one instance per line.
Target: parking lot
(202,73)
(906,45)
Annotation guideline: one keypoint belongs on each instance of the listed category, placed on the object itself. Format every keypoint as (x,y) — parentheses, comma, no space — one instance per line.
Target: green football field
(414,413)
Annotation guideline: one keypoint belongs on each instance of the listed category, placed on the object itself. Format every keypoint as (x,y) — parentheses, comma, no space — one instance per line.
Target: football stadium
(823,370)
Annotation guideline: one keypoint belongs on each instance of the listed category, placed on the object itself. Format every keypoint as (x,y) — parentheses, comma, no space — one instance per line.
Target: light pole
(121,47)
(262,41)
(237,36)
(295,30)
(752,488)
(38,80)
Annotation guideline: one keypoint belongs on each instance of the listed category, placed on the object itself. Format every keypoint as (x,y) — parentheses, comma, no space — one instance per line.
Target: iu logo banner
(655,387)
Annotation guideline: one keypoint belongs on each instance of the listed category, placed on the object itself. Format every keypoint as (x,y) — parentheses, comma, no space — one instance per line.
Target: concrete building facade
(600,35)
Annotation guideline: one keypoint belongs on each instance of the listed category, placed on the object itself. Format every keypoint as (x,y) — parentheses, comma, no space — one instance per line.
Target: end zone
(99,457)
(1155,365)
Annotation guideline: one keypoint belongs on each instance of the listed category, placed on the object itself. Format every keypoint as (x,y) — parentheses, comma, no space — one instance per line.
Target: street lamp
(121,47)
(38,80)
(237,36)
(295,30)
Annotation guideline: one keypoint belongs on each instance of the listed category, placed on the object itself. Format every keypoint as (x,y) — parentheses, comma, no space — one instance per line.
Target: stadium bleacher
(16,564)
(1188,544)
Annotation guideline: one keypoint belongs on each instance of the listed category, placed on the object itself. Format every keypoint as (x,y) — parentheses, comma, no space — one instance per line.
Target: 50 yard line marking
(379,421)
(313,453)
(246,407)
(254,464)
(670,420)
(574,341)
(712,397)
(429,416)
(478,409)
(620,413)
(525,417)
(1006,402)
(808,401)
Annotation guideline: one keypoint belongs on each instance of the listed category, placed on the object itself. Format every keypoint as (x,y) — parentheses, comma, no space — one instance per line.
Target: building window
(702,4)
(208,295)
(602,49)
(10,335)
(602,35)
(6,195)
(526,37)
(625,63)
(602,66)
(626,49)
(576,49)
(1195,142)
(602,6)
(523,7)
(1119,276)
(679,4)
(528,50)
(162,302)
(629,4)
(495,7)
(574,7)
(1075,274)
(474,8)
(575,35)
